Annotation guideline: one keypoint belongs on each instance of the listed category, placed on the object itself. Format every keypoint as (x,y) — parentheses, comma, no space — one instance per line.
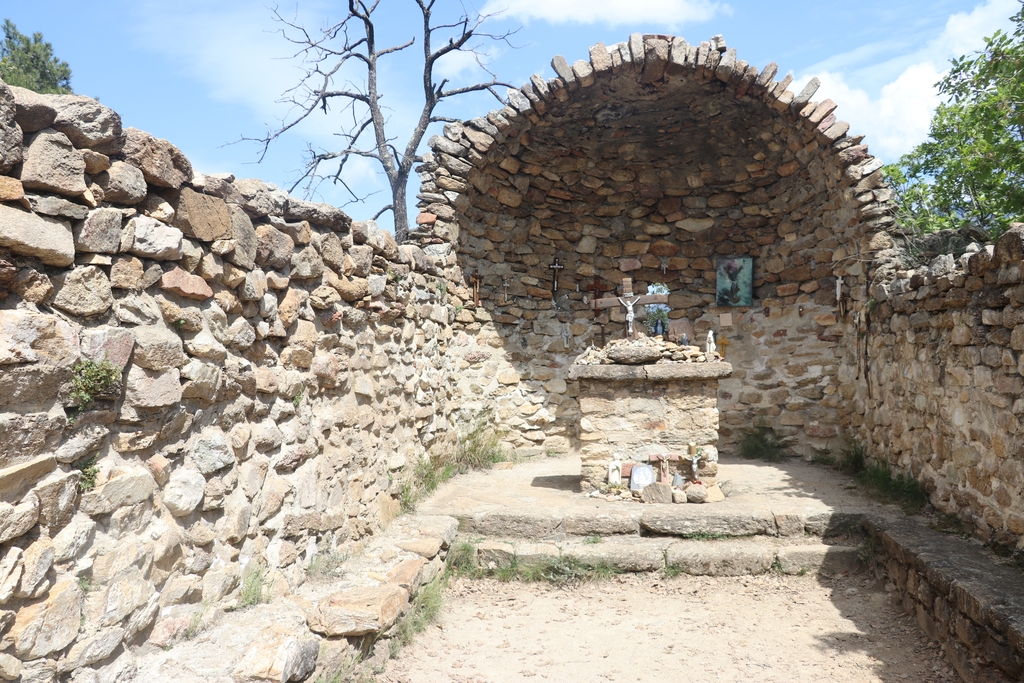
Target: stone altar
(635,412)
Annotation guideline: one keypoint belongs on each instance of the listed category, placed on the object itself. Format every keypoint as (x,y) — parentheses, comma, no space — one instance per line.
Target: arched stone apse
(652,159)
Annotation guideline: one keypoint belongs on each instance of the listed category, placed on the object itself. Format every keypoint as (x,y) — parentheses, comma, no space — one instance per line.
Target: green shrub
(254,581)
(902,489)
(90,379)
(762,443)
(87,466)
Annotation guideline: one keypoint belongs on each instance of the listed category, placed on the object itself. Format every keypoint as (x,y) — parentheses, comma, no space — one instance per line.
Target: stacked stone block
(280,371)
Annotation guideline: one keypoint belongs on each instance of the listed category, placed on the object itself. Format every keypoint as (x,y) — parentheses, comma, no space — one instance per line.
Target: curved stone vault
(652,159)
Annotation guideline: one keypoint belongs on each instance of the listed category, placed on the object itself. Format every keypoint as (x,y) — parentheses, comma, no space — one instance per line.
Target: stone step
(728,557)
(685,521)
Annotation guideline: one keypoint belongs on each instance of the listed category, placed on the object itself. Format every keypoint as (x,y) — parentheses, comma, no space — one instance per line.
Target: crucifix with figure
(628,301)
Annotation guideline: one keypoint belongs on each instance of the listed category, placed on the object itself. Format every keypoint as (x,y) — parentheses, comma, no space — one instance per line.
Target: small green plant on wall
(90,380)
(762,443)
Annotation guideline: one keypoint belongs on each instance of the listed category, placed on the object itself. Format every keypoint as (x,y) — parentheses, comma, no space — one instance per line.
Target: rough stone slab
(49,240)
(601,523)
(686,521)
(87,123)
(659,372)
(52,164)
(16,480)
(358,611)
(638,555)
(721,558)
(161,163)
(511,524)
(817,559)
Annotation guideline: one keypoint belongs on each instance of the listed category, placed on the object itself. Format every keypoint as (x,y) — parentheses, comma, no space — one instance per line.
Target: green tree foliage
(970,173)
(29,63)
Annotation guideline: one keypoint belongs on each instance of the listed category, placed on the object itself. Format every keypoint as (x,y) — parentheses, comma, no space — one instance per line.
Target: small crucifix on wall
(628,301)
(555,267)
(476,279)
(597,287)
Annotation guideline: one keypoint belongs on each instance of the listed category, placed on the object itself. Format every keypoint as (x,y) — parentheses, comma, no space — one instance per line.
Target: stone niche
(652,160)
(639,412)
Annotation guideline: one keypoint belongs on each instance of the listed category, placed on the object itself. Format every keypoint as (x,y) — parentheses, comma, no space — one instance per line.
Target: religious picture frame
(734,285)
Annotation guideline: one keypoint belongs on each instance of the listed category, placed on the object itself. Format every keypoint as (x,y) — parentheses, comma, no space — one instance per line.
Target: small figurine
(711,348)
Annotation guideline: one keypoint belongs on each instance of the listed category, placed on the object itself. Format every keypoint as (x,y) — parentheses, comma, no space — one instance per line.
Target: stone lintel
(661,372)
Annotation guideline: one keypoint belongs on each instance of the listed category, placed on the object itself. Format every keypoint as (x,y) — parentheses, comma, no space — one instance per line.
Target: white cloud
(898,117)
(610,12)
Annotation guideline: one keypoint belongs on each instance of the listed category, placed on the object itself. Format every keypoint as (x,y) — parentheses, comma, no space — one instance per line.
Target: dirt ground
(648,628)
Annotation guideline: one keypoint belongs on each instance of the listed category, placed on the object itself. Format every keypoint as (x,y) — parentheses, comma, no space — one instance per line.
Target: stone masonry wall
(942,396)
(652,159)
(281,370)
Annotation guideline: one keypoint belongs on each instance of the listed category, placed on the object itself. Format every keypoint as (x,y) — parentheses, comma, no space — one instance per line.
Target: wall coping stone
(658,372)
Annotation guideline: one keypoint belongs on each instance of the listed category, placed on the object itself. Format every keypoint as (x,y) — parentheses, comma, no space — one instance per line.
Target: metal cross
(504,284)
(555,267)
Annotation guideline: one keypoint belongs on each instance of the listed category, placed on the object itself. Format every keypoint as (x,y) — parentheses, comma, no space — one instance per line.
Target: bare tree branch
(340,64)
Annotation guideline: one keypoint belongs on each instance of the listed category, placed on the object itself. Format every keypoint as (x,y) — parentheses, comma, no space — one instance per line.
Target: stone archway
(652,159)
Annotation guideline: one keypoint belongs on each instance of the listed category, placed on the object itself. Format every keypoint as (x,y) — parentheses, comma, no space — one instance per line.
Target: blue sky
(204,74)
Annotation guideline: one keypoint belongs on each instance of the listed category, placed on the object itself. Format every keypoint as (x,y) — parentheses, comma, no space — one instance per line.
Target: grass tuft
(479,448)
(425,610)
(254,581)
(901,489)
(762,443)
(326,565)
(562,571)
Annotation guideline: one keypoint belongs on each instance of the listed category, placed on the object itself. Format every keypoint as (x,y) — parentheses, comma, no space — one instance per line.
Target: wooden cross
(597,287)
(475,279)
(723,344)
(555,267)
(628,301)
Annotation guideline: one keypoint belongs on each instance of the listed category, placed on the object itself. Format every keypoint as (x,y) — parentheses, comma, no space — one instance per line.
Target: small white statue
(615,472)
(711,348)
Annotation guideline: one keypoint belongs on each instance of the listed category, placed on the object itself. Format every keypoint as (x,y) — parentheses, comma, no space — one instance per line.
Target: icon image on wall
(735,281)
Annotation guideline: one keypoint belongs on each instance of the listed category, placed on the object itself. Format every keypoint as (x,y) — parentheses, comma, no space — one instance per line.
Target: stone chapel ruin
(280,369)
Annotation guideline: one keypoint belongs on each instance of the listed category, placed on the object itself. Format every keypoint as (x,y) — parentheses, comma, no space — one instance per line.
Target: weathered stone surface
(244,236)
(28,337)
(93,649)
(83,292)
(161,163)
(122,183)
(274,248)
(186,285)
(317,214)
(49,240)
(696,493)
(153,239)
(126,486)
(634,355)
(126,273)
(99,232)
(358,611)
(202,217)
(687,520)
(34,111)
(10,667)
(11,568)
(157,348)
(52,164)
(49,626)
(279,653)
(72,538)
(149,389)
(10,131)
(211,453)
(57,494)
(36,562)
(184,491)
(16,520)
(87,123)
(656,493)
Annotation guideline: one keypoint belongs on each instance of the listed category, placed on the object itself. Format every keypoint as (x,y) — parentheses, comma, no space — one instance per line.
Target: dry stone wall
(941,398)
(650,160)
(279,370)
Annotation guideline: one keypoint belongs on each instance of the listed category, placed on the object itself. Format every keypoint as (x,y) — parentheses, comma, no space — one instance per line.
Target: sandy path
(645,628)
